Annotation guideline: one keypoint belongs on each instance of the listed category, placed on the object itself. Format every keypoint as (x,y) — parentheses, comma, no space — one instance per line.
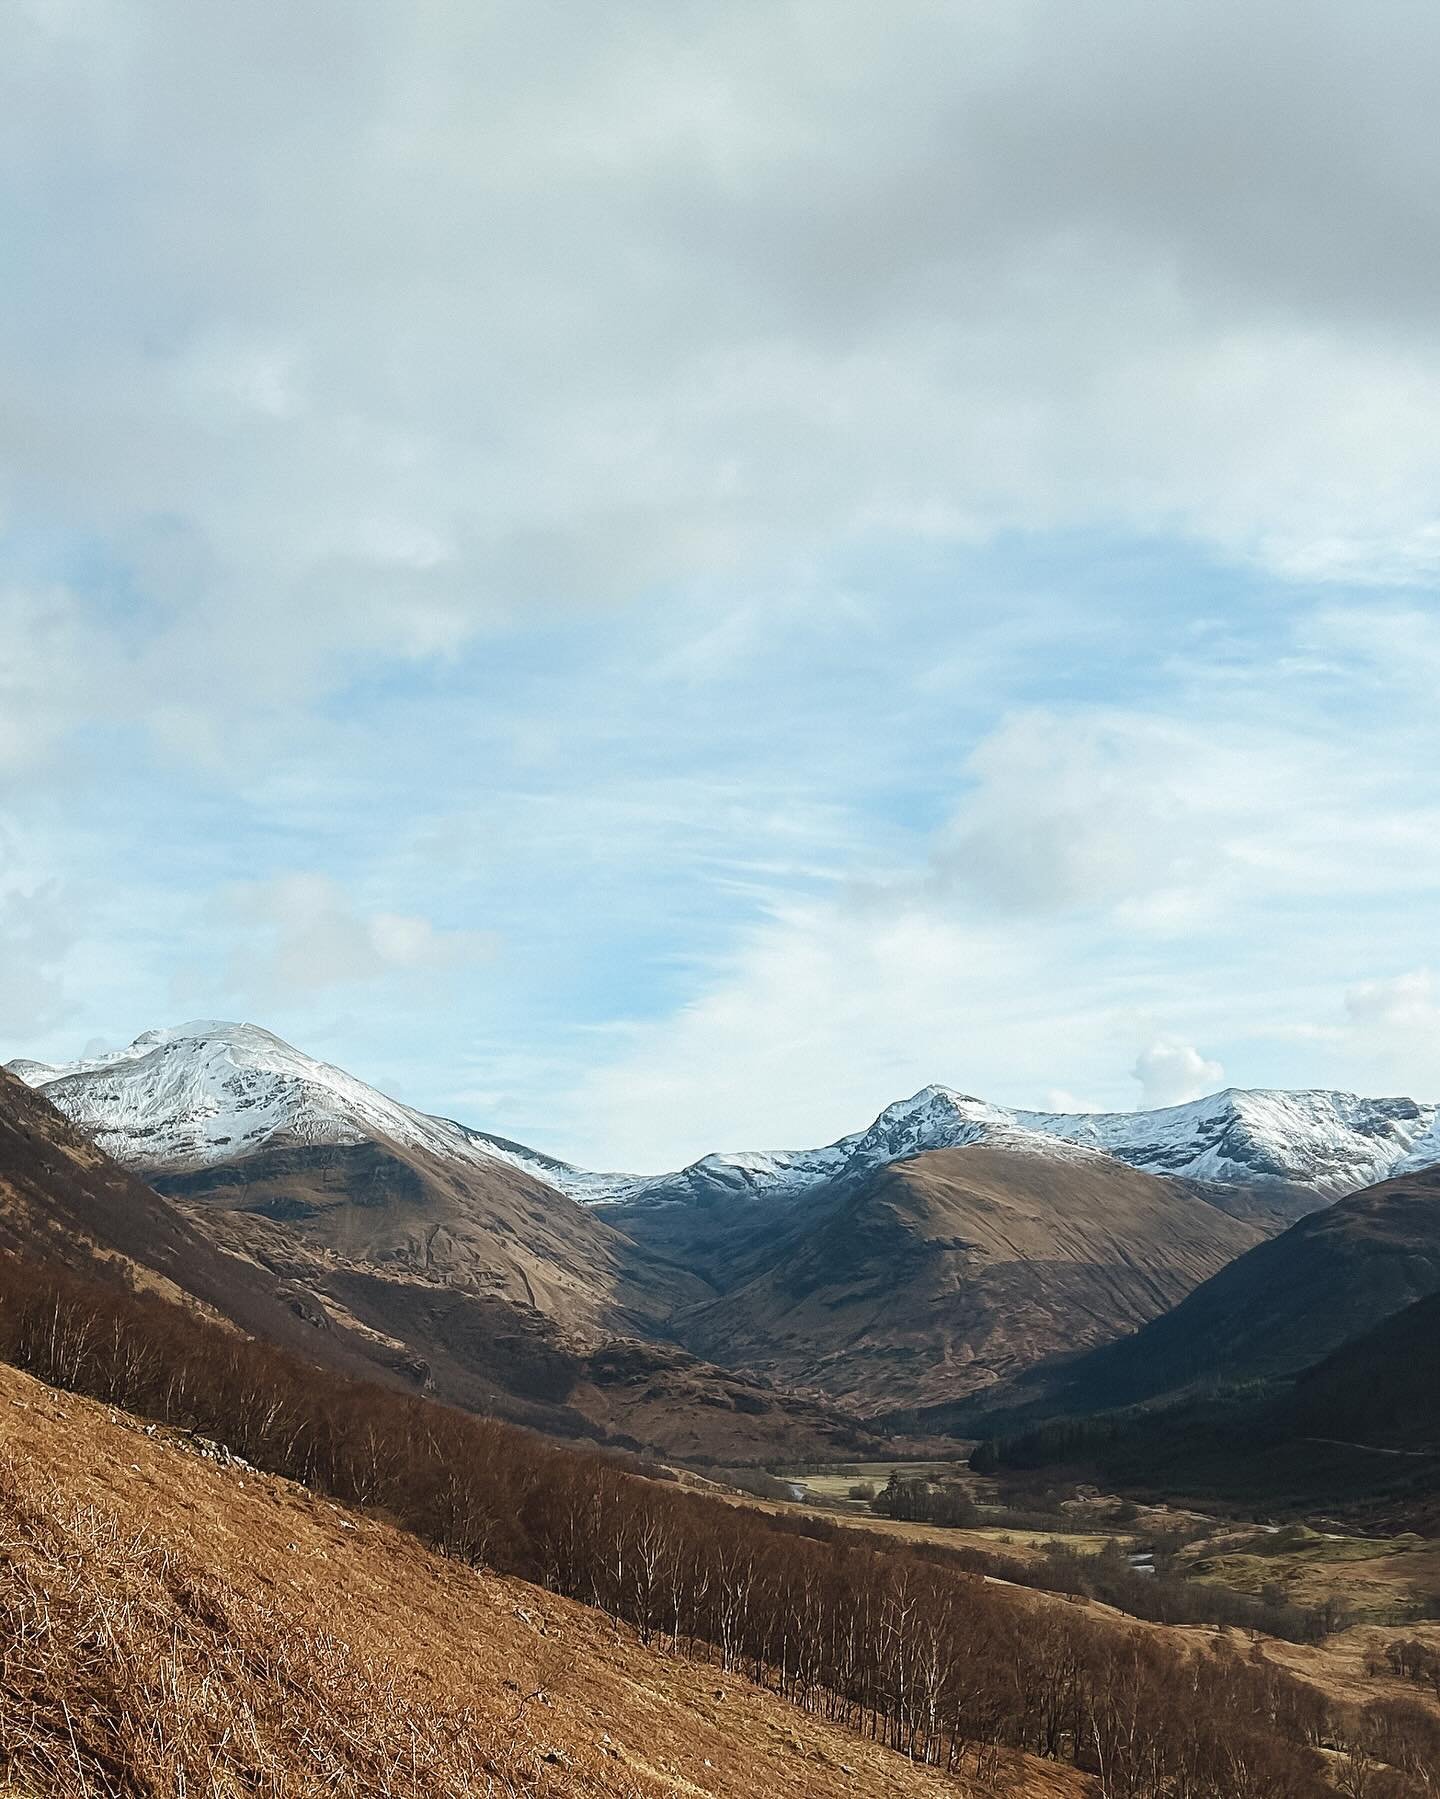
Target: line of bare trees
(1409,1659)
(933,1661)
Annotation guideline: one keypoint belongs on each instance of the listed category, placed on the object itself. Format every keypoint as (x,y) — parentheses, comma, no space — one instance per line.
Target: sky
(657,577)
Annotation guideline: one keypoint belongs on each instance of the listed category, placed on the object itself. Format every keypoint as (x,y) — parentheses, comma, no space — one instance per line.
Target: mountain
(1382,1388)
(875,1269)
(212,1091)
(64,1200)
(228,1116)
(941,1274)
(1278,1308)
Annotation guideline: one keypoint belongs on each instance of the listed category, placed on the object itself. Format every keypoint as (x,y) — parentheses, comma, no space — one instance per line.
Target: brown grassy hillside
(493,1229)
(169,1624)
(948,1272)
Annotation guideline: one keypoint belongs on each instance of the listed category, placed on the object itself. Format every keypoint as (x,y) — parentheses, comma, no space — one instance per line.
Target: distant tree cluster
(1410,1660)
(915,1653)
(1168,1597)
(918,1500)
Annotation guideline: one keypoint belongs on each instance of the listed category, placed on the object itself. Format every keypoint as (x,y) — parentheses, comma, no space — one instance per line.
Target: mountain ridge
(210,1091)
(63,1201)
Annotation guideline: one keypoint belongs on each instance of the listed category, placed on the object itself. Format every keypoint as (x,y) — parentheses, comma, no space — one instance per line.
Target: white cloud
(823,1015)
(1171,1072)
(303,932)
(1061,1099)
(35,937)
(1392,1030)
(32,945)
(516,313)
(52,673)
(1111,879)
(1404,1002)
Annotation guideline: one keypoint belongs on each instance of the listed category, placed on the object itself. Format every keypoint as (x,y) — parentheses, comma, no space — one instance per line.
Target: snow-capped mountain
(1326,1143)
(210,1091)
(934,1118)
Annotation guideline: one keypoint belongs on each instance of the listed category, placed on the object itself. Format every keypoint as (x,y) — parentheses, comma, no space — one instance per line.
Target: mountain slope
(811,1266)
(63,1200)
(229,1116)
(1382,1388)
(944,1273)
(1357,1433)
(483,1225)
(1280,1307)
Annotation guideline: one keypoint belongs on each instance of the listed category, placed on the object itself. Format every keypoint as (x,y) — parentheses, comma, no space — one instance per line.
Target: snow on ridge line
(210,1091)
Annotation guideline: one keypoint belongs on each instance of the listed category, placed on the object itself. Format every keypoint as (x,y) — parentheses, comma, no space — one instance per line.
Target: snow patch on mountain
(1333,1143)
(934,1118)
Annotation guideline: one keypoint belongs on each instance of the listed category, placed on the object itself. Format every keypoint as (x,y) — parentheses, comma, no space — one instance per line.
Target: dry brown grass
(171,1627)
(127,1667)
(1384,1581)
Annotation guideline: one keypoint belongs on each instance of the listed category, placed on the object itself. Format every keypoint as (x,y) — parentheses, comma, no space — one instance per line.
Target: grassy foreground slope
(928,1658)
(176,1624)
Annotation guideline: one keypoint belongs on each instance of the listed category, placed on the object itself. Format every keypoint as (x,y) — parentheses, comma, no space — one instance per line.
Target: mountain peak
(212,1090)
(208,1030)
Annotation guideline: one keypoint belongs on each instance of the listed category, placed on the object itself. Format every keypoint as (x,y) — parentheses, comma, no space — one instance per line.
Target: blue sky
(655,581)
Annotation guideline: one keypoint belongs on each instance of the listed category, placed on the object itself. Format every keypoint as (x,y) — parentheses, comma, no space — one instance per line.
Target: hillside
(177,1624)
(943,1274)
(484,1226)
(944,1251)
(1355,1436)
(230,1116)
(63,1200)
(1382,1388)
(1279,1308)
